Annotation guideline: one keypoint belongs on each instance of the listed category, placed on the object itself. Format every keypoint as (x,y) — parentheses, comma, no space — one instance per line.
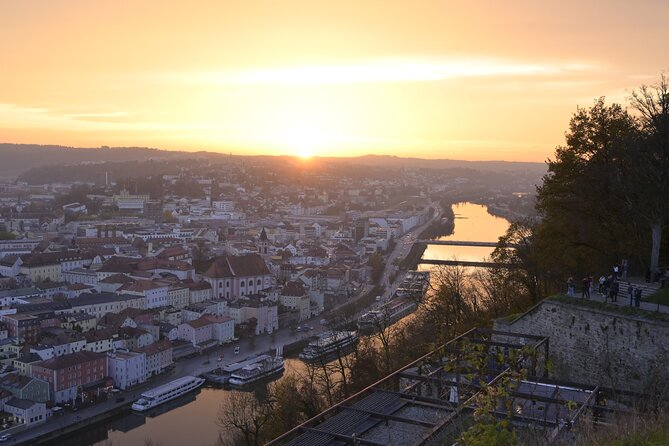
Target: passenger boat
(414,285)
(329,345)
(222,375)
(166,392)
(265,369)
(386,315)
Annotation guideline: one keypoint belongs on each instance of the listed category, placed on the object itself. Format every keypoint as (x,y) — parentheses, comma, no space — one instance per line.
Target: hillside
(18,159)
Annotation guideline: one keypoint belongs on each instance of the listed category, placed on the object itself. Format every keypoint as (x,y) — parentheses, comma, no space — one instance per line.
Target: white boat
(166,392)
(222,374)
(414,285)
(386,315)
(329,345)
(267,368)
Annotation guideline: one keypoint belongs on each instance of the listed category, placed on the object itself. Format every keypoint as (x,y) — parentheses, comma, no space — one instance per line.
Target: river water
(192,420)
(472,223)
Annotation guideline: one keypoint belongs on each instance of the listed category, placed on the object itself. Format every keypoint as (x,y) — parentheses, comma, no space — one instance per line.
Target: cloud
(374,71)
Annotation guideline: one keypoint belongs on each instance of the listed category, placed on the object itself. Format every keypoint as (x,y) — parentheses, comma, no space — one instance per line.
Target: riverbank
(442,227)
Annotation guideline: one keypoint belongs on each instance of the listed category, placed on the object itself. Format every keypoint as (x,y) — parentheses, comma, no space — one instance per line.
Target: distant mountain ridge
(18,158)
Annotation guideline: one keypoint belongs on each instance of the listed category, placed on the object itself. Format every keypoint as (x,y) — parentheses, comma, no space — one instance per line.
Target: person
(609,294)
(637,297)
(571,287)
(630,292)
(602,281)
(615,288)
(616,269)
(585,292)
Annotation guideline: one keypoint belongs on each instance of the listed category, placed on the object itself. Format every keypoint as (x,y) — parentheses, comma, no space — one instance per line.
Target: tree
(584,227)
(244,416)
(646,173)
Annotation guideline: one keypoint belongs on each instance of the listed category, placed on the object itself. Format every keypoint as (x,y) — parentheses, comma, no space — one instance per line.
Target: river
(472,223)
(189,420)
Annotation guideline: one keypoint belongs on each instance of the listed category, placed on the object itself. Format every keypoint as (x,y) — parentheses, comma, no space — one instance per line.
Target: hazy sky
(436,79)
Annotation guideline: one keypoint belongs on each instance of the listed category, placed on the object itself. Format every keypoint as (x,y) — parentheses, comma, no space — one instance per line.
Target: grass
(622,310)
(661,295)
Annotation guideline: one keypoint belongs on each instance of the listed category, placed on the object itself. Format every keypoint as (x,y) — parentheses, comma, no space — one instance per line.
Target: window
(259,282)
(242,283)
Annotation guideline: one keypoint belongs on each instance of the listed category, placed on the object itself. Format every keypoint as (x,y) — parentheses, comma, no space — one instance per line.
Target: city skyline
(435,80)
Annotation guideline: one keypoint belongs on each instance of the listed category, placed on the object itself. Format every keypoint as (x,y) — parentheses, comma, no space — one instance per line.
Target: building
(25,412)
(158,357)
(223,329)
(102,303)
(295,297)
(232,277)
(155,294)
(263,313)
(200,292)
(178,296)
(127,368)
(197,332)
(23,327)
(68,374)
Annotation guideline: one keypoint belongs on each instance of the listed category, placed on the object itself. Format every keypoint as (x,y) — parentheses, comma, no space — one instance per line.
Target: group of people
(609,287)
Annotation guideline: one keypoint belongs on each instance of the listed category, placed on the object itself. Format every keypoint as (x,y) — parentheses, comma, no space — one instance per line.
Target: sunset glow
(437,80)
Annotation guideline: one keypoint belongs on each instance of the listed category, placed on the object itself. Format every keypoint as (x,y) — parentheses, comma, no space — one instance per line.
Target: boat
(166,392)
(222,374)
(386,315)
(329,345)
(266,369)
(414,285)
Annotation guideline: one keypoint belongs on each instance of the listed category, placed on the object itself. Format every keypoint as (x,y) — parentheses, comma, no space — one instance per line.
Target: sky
(475,80)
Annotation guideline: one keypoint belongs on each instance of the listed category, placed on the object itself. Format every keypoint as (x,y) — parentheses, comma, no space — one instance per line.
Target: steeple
(263,243)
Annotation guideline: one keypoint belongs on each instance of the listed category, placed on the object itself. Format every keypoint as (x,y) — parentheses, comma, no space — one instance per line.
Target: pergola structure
(431,399)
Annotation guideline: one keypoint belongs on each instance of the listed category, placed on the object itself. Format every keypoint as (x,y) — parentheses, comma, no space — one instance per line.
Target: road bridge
(457,243)
(460,263)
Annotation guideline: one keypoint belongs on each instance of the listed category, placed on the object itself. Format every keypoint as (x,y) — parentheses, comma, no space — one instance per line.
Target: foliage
(604,197)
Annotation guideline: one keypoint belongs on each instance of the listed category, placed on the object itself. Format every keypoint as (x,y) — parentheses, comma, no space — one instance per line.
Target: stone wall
(595,345)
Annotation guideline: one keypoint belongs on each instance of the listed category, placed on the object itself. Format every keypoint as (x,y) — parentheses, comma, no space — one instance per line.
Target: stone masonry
(599,346)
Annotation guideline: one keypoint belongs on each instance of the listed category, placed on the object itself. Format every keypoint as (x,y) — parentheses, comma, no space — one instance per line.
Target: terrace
(432,399)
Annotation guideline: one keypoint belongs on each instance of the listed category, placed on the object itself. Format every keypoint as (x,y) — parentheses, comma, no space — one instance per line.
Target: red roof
(237,266)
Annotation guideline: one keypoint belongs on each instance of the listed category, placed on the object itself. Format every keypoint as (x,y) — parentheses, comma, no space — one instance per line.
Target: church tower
(263,243)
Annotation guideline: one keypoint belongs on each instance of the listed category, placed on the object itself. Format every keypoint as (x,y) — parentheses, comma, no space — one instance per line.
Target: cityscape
(304,223)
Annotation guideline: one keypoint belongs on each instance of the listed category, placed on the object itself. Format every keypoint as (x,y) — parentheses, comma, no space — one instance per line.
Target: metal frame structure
(409,407)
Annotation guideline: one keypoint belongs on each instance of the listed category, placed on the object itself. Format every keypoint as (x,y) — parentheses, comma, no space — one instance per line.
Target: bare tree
(244,416)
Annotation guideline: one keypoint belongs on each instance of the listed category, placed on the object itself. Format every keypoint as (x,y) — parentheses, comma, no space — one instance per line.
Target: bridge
(460,263)
(456,243)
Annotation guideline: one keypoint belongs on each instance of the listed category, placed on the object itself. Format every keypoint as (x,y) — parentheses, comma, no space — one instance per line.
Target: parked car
(5,437)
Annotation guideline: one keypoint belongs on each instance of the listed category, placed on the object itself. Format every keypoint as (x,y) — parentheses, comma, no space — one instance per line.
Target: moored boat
(166,392)
(329,345)
(266,369)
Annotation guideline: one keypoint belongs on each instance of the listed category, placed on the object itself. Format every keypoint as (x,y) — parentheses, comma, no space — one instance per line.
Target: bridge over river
(459,263)
(455,262)
(459,243)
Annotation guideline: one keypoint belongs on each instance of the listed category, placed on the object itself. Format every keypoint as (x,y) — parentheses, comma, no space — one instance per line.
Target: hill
(20,158)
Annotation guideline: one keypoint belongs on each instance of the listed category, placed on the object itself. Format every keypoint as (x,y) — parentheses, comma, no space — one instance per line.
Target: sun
(304,140)
(305,154)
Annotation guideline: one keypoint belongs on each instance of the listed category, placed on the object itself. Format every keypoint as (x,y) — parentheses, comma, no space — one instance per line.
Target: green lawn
(661,295)
(623,310)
